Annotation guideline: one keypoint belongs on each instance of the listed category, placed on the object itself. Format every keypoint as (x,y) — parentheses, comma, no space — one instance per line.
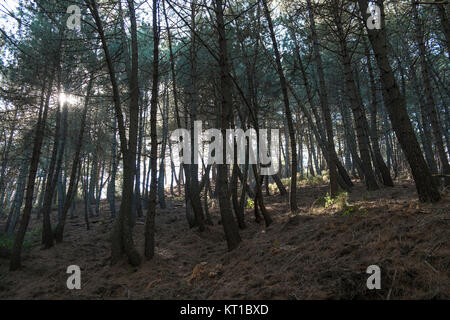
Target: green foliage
(316,180)
(286,182)
(7,240)
(327,201)
(340,204)
(348,210)
(250,204)
(273,188)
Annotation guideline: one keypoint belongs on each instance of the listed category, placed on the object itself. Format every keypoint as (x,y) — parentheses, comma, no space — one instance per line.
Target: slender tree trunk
(381,165)
(100,188)
(324,106)
(443,16)
(427,143)
(137,186)
(5,164)
(15,262)
(396,108)
(161,181)
(122,238)
(59,230)
(229,224)
(111,192)
(85,184)
(287,109)
(429,100)
(355,103)
(151,214)
(14,212)
(53,177)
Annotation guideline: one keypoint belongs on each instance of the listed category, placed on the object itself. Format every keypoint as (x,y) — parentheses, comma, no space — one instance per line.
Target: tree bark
(15,262)
(149,250)
(122,238)
(287,109)
(59,230)
(324,106)
(396,108)
(229,224)
(428,93)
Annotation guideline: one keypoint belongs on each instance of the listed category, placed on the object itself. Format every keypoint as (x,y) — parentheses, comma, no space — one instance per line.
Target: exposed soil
(315,254)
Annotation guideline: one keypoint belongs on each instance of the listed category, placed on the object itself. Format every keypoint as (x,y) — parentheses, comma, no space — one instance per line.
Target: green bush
(286,182)
(7,240)
(250,204)
(347,210)
(327,201)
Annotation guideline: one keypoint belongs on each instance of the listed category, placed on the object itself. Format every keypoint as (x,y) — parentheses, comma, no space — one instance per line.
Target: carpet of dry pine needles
(316,253)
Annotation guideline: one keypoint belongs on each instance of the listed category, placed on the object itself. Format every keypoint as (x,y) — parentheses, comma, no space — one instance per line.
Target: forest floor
(317,253)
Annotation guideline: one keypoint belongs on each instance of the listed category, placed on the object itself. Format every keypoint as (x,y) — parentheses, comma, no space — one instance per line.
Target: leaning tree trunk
(122,238)
(324,106)
(427,138)
(443,16)
(287,109)
(429,100)
(355,103)
(52,180)
(15,262)
(343,179)
(396,108)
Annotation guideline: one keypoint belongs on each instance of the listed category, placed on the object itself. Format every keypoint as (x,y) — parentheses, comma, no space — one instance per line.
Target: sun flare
(67,98)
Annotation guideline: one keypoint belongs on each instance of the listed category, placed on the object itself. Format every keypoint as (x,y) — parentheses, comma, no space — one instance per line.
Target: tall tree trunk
(137,186)
(427,143)
(14,212)
(53,177)
(59,230)
(355,103)
(5,164)
(194,192)
(429,100)
(373,130)
(100,188)
(85,186)
(151,213)
(161,183)
(443,16)
(15,262)
(122,238)
(287,109)
(111,192)
(229,224)
(324,106)
(396,108)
